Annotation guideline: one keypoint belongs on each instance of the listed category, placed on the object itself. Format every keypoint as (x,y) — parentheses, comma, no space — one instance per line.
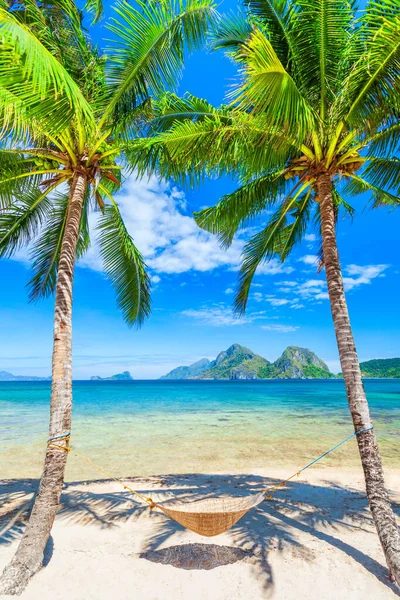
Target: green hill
(239,362)
(381,367)
(300,363)
(189,372)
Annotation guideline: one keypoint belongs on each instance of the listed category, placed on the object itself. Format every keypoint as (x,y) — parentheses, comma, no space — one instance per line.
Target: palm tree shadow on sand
(274,526)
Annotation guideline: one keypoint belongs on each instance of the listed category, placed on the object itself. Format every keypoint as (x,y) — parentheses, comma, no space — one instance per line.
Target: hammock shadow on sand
(271,527)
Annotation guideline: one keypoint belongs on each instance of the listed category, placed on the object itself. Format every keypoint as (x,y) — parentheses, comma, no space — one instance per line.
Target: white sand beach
(315,540)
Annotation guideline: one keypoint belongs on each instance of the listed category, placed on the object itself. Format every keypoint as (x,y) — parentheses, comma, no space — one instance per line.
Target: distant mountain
(239,362)
(189,372)
(125,376)
(381,367)
(6,376)
(300,363)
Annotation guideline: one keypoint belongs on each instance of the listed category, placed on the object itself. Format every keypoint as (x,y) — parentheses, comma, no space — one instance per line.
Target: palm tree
(67,115)
(313,116)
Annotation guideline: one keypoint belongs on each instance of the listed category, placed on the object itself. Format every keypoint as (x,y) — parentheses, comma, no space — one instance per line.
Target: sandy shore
(314,540)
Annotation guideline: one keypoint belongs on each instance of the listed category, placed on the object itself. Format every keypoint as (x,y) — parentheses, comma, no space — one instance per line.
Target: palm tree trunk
(378,496)
(29,556)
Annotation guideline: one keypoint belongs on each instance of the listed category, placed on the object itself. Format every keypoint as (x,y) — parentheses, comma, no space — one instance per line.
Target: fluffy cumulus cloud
(157,218)
(310,237)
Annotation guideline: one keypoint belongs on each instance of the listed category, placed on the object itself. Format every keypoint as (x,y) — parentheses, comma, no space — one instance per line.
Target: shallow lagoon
(152,427)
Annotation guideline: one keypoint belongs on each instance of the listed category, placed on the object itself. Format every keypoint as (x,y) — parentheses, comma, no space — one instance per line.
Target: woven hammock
(210,516)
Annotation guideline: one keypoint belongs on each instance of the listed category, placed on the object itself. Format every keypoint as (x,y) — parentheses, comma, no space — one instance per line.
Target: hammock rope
(210,516)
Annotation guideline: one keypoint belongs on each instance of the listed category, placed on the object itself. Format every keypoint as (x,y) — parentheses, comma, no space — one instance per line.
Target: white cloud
(287,283)
(156,279)
(362,275)
(216,316)
(221,315)
(229,290)
(280,328)
(156,216)
(309,259)
(310,237)
(171,242)
(277,301)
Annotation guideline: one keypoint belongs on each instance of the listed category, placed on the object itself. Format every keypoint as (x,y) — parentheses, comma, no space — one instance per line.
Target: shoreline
(315,539)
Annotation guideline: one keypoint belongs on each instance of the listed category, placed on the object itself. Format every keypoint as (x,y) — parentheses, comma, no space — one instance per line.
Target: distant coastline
(244,369)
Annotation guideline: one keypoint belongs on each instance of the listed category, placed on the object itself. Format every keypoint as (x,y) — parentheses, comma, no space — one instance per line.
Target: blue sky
(193,281)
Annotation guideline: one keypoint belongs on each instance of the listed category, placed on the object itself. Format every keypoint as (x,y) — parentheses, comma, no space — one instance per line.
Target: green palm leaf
(34,77)
(21,221)
(231,33)
(383,173)
(372,85)
(212,145)
(321,29)
(275,16)
(269,242)
(236,209)
(148,54)
(96,8)
(169,109)
(357,185)
(384,143)
(270,90)
(45,253)
(125,266)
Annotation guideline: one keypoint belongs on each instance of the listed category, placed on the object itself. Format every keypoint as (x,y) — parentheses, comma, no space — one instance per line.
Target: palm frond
(268,89)
(293,233)
(46,252)
(383,173)
(169,108)
(96,8)
(211,146)
(357,185)
(32,76)
(385,142)
(149,49)
(238,208)
(321,30)
(231,32)
(21,221)
(372,85)
(275,17)
(17,177)
(269,242)
(124,266)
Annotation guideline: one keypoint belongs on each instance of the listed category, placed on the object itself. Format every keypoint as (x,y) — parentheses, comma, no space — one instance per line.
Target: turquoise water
(149,427)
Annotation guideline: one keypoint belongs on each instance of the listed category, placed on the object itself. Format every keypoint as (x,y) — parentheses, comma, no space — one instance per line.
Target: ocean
(158,427)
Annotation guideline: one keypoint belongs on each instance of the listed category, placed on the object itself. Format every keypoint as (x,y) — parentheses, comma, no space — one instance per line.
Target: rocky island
(239,362)
(125,376)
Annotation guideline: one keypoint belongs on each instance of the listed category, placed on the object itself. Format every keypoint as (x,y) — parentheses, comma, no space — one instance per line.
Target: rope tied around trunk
(67,448)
